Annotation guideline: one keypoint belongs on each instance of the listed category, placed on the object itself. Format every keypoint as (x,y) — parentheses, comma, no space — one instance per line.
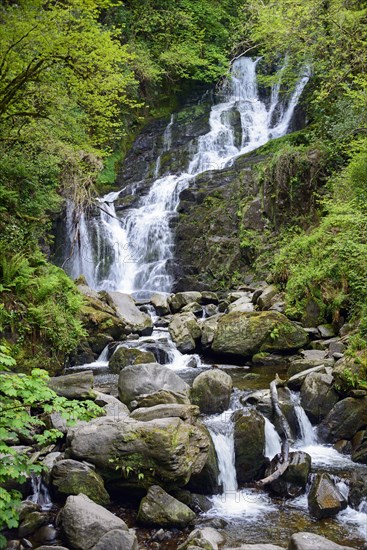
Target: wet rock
(159,508)
(26,507)
(208,297)
(310,541)
(206,480)
(318,396)
(185,331)
(309,362)
(181,299)
(344,420)
(153,381)
(31,522)
(166,451)
(78,385)
(161,304)
(358,488)
(208,329)
(84,522)
(264,300)
(194,308)
(186,412)
(324,499)
(241,333)
(100,318)
(124,357)
(295,382)
(99,342)
(206,538)
(117,539)
(211,391)
(268,359)
(197,503)
(210,310)
(70,477)
(133,319)
(249,445)
(359,453)
(294,480)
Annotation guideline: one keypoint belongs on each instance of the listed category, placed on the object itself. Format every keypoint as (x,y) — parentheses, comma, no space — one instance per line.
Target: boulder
(98,317)
(124,357)
(208,297)
(117,539)
(208,330)
(249,445)
(112,406)
(99,342)
(242,333)
(264,300)
(84,522)
(207,538)
(206,481)
(31,522)
(358,488)
(324,499)
(161,304)
(326,331)
(295,382)
(211,391)
(294,480)
(161,509)
(310,541)
(134,320)
(256,547)
(138,454)
(242,304)
(188,413)
(153,381)
(70,477)
(318,396)
(344,420)
(210,310)
(185,331)
(197,503)
(306,363)
(181,299)
(359,452)
(194,308)
(78,385)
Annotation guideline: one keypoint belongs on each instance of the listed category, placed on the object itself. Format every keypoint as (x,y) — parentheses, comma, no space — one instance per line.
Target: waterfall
(132,253)
(272,440)
(40,494)
(308,436)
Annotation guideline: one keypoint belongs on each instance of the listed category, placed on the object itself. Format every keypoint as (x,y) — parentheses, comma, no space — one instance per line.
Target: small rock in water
(324,499)
(310,541)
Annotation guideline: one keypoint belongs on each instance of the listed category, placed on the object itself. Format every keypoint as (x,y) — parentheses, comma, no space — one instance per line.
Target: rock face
(345,419)
(310,541)
(78,385)
(185,331)
(124,357)
(318,396)
(249,445)
(211,391)
(324,499)
(151,384)
(133,319)
(70,477)
(167,451)
(294,480)
(84,522)
(160,509)
(247,333)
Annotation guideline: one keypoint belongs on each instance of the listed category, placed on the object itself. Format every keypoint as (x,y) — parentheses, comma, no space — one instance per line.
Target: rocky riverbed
(189,430)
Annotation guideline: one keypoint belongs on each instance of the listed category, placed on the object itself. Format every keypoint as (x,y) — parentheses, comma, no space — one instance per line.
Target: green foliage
(24,400)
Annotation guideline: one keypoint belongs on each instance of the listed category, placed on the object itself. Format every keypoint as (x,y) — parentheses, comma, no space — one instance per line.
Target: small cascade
(40,494)
(132,253)
(272,440)
(308,436)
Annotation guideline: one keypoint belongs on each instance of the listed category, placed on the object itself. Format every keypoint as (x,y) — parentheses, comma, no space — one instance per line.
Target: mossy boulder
(185,331)
(160,509)
(247,333)
(78,385)
(206,481)
(70,477)
(129,356)
(294,480)
(249,445)
(211,391)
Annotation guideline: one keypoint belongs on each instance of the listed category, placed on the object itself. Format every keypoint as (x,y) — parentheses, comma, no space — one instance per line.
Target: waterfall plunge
(131,253)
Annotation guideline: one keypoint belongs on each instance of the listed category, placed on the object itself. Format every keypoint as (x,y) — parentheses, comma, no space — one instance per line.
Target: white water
(272,440)
(40,494)
(131,254)
(308,436)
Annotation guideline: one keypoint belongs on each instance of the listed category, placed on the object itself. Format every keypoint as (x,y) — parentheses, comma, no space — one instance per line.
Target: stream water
(130,252)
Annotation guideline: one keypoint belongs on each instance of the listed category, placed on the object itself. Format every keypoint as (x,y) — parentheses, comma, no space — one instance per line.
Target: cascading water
(132,253)
(272,440)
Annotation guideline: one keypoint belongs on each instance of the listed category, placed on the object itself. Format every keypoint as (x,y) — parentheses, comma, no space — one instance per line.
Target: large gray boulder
(151,384)
(344,420)
(161,509)
(185,331)
(242,333)
(134,320)
(294,480)
(167,451)
(70,477)
(84,522)
(117,540)
(318,395)
(78,385)
(249,445)
(324,499)
(161,304)
(181,299)
(311,541)
(211,391)
(124,356)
